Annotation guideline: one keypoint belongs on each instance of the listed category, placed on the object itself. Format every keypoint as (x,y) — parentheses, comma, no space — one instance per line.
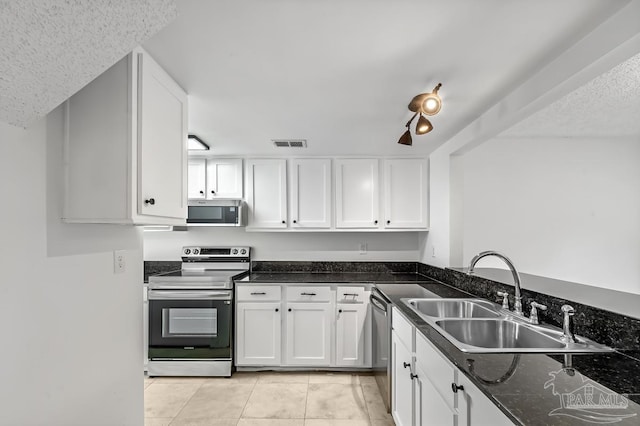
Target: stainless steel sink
(497,334)
(479,326)
(509,335)
(453,308)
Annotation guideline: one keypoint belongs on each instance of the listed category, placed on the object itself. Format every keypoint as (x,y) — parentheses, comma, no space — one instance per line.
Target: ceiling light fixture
(196,144)
(422,104)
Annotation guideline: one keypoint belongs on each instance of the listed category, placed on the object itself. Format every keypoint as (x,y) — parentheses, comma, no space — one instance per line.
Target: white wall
(72,343)
(562,208)
(303,246)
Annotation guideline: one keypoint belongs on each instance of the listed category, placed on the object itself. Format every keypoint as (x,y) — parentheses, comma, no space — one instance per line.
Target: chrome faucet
(517,307)
(567,323)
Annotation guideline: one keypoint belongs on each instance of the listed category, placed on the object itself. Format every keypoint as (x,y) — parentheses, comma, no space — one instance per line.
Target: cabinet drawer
(402,327)
(308,293)
(352,295)
(439,371)
(258,293)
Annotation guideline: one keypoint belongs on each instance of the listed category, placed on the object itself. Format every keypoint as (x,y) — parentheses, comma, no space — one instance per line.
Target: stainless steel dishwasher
(381,333)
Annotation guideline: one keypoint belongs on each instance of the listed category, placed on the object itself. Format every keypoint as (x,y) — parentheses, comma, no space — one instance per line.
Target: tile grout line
(249,398)
(185,403)
(306,398)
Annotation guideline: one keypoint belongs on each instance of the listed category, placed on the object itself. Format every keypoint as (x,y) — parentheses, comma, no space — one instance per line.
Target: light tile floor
(265,399)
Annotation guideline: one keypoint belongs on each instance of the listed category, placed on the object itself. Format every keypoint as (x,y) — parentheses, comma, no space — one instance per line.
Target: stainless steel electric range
(191,313)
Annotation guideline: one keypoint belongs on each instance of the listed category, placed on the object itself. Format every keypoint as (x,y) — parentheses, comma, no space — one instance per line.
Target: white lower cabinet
(402,382)
(258,340)
(351,331)
(430,407)
(434,399)
(315,332)
(422,381)
(475,409)
(308,334)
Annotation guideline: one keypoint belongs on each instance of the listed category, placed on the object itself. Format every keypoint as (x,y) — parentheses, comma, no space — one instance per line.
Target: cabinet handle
(277,310)
(350,294)
(307,294)
(213,192)
(375,222)
(339,311)
(388,222)
(289,309)
(406,364)
(255,293)
(413,376)
(455,388)
(295,221)
(284,221)
(151,201)
(201,192)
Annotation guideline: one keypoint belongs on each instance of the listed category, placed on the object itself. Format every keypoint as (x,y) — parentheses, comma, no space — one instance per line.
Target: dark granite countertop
(532,393)
(335,277)
(528,388)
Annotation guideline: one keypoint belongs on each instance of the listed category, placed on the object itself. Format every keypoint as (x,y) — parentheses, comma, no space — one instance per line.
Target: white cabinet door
(224,178)
(351,330)
(405,193)
(402,384)
(430,408)
(125,147)
(196,178)
(258,334)
(310,193)
(267,193)
(309,334)
(162,142)
(357,193)
(475,409)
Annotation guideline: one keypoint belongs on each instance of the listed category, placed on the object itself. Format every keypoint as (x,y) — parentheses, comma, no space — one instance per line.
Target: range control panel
(192,252)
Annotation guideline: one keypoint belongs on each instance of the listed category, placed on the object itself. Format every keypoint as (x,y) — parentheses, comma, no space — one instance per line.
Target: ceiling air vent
(290,143)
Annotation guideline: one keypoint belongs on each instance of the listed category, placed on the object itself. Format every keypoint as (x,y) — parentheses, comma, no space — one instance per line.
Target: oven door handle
(189,295)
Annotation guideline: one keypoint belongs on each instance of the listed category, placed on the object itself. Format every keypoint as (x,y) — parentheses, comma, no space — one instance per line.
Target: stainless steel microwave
(216,213)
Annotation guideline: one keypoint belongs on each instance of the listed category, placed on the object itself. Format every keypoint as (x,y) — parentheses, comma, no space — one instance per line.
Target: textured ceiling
(52,48)
(607,106)
(340,73)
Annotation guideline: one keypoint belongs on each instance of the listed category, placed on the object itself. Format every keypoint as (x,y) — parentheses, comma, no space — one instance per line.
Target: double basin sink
(479,326)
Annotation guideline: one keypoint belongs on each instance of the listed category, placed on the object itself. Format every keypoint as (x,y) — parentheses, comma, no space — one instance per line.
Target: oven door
(190,324)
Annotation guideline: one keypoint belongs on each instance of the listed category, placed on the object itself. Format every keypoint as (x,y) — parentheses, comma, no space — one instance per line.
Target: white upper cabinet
(267,193)
(310,193)
(357,193)
(215,178)
(125,157)
(197,178)
(224,178)
(405,193)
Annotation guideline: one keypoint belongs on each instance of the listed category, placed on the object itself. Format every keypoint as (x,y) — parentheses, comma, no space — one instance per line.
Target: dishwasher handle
(378,303)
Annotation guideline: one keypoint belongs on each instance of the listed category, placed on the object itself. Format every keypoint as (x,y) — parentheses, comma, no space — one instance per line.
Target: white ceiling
(608,106)
(50,49)
(341,73)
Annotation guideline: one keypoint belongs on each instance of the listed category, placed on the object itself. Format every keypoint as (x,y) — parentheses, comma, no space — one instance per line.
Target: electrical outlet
(363,248)
(119,263)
